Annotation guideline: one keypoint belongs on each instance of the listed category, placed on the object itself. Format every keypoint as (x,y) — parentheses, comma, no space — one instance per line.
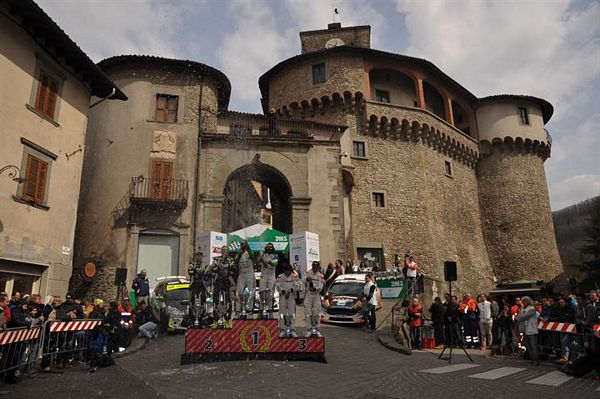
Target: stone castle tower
(475,167)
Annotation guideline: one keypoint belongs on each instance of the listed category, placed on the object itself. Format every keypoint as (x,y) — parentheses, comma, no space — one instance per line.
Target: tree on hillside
(592,240)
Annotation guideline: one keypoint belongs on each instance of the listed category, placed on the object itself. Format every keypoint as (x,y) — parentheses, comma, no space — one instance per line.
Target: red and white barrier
(556,326)
(596,327)
(81,325)
(19,335)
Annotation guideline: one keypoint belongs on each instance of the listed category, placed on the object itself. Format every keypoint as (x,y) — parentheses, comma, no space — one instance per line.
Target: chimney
(334,25)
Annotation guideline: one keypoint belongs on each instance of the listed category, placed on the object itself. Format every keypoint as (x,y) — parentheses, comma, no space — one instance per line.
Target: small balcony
(170,193)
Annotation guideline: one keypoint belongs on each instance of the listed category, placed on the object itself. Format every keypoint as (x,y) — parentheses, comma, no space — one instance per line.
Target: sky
(549,49)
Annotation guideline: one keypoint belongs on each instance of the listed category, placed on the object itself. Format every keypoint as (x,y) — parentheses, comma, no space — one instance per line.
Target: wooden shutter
(172,108)
(155,180)
(31,175)
(161,181)
(165,182)
(45,99)
(40,190)
(36,174)
(51,98)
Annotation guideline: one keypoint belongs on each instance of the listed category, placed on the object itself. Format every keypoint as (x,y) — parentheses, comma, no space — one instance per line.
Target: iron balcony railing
(148,190)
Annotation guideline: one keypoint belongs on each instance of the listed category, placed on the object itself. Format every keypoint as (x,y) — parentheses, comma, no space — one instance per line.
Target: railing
(241,125)
(158,190)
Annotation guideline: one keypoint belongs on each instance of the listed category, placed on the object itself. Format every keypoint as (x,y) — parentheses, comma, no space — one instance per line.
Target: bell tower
(334,36)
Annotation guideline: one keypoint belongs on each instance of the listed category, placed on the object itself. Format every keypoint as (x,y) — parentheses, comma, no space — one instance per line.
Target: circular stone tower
(514,200)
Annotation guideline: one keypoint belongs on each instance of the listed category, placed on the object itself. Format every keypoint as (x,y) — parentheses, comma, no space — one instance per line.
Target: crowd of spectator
(508,326)
(119,322)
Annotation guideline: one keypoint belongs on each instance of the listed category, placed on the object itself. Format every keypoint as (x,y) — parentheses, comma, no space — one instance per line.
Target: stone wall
(516,215)
(428,214)
(294,84)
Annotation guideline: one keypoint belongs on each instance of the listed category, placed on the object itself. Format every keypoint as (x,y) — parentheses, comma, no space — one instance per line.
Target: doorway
(161,180)
(158,253)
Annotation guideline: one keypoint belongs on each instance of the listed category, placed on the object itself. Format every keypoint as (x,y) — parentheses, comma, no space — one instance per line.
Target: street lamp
(13,173)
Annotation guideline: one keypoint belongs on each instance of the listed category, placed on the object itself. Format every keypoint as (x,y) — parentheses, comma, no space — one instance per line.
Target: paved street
(358,367)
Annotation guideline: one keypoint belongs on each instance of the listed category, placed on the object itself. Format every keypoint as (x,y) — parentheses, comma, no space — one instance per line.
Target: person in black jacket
(141,286)
(18,320)
(18,315)
(437,311)
(564,313)
(452,317)
(72,309)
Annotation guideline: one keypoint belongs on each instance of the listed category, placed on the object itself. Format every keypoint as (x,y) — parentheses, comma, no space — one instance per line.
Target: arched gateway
(257,193)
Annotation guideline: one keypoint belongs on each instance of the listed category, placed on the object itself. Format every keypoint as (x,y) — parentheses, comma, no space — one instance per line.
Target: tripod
(451,335)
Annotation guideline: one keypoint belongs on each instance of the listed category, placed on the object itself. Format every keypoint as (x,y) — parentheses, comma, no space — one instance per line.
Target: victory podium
(249,339)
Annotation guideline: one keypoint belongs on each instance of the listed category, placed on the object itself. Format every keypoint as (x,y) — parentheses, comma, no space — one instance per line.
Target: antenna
(335,11)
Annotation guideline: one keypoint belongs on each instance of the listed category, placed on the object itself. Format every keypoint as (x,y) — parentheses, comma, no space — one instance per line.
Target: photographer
(411,268)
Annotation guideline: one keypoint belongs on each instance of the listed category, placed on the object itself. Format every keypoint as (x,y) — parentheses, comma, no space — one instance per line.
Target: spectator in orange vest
(468,310)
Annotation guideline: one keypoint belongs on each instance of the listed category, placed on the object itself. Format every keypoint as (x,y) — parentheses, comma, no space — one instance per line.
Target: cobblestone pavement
(358,367)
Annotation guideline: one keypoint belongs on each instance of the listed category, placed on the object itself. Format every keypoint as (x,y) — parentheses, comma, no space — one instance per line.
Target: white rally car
(342,302)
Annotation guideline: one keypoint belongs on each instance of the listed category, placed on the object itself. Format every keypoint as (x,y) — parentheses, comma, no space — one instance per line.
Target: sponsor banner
(304,249)
(258,236)
(248,336)
(390,287)
(210,243)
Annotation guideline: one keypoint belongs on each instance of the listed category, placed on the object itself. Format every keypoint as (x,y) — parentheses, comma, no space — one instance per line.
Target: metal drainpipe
(197,171)
(112,93)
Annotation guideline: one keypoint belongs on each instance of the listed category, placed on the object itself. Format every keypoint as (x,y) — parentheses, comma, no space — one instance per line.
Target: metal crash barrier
(65,341)
(18,347)
(555,337)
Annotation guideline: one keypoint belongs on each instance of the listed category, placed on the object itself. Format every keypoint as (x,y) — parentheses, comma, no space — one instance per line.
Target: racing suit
(267,279)
(223,270)
(312,300)
(246,278)
(197,290)
(289,284)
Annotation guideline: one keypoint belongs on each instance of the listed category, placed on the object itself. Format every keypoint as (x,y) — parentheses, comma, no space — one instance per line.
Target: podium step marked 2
(249,339)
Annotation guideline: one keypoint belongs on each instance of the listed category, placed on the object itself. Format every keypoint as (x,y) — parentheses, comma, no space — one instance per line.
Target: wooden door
(161,180)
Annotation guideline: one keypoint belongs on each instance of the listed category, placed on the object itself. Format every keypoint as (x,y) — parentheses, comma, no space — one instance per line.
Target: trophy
(197,309)
(264,296)
(221,307)
(244,304)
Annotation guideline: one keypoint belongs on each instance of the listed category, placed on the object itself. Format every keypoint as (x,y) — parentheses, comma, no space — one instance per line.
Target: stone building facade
(46,84)
(378,153)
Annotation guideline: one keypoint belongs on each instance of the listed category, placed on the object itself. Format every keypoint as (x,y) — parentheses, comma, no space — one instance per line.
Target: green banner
(258,236)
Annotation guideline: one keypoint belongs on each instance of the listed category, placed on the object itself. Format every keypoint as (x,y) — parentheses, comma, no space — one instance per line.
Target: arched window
(434,101)
(461,118)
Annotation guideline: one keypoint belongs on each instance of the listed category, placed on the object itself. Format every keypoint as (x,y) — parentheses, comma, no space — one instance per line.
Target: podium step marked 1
(249,339)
